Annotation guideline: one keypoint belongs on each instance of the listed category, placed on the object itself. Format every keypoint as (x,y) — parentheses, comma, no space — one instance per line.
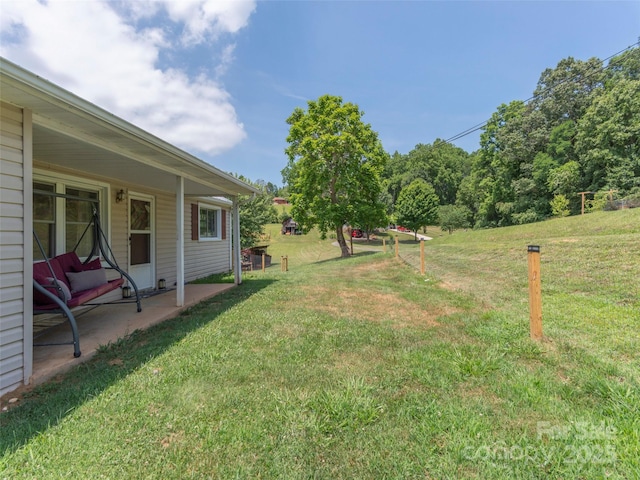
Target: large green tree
(608,140)
(441,164)
(417,206)
(255,212)
(335,163)
(452,217)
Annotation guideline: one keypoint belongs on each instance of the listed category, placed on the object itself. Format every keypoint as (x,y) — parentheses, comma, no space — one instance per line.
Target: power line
(480,126)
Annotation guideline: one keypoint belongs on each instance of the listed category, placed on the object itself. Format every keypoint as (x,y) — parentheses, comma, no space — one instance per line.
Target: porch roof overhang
(76,135)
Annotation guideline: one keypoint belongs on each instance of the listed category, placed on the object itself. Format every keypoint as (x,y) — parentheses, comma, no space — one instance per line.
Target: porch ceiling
(74,134)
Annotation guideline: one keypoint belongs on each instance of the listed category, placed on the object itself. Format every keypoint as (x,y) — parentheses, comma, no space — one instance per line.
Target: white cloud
(96,50)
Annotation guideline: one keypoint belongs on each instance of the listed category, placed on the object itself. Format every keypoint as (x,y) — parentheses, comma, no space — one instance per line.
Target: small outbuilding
(290,227)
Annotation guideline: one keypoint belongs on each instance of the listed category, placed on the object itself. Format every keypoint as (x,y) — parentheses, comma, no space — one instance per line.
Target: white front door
(142,240)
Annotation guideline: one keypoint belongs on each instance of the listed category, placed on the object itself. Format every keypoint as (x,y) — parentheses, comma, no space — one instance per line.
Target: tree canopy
(335,163)
(417,205)
(580,133)
(255,212)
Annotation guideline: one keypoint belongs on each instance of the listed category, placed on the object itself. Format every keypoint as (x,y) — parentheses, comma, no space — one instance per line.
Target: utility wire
(480,126)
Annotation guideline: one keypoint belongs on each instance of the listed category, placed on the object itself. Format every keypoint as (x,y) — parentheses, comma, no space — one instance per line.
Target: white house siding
(203,258)
(12,251)
(166,239)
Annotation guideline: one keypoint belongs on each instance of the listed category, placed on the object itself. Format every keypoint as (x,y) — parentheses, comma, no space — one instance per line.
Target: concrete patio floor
(108,323)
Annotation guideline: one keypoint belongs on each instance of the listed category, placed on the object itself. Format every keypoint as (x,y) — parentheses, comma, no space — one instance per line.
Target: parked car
(356,233)
(403,229)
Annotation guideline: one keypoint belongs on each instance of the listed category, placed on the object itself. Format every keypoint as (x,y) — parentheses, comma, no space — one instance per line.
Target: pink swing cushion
(83,281)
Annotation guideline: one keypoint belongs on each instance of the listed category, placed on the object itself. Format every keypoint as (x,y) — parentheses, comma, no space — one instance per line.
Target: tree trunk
(342,242)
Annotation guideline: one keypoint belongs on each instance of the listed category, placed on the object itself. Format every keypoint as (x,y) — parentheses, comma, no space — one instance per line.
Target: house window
(209,223)
(62,213)
(44,219)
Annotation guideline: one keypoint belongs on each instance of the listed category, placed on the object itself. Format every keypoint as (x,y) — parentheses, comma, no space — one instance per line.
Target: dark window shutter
(224,224)
(195,222)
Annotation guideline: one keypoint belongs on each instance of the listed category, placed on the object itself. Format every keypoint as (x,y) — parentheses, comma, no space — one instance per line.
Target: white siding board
(11,363)
(11,308)
(8,252)
(9,112)
(166,238)
(11,293)
(13,129)
(11,380)
(11,162)
(12,321)
(11,210)
(10,265)
(11,278)
(11,335)
(11,238)
(11,182)
(10,140)
(10,349)
(12,224)
(11,196)
(12,314)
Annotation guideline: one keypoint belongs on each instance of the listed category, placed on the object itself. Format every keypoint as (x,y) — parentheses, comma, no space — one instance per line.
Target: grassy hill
(363,368)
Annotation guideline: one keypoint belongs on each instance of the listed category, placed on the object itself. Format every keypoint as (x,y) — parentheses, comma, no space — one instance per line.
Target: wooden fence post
(422,267)
(397,248)
(535,293)
(263,262)
(384,245)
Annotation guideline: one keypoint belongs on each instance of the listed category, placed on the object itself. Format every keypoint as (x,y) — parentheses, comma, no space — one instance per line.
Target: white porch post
(180,241)
(237,260)
(27,232)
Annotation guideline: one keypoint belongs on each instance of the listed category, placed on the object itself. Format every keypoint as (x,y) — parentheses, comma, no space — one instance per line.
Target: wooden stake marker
(397,248)
(422,268)
(535,293)
(264,263)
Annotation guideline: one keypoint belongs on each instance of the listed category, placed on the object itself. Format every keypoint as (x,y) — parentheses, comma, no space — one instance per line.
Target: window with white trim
(209,222)
(62,212)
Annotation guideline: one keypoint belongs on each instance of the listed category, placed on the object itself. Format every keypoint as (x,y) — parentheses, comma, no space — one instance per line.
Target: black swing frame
(100,246)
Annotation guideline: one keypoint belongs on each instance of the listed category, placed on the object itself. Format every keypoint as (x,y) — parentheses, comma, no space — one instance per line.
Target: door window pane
(140,215)
(140,248)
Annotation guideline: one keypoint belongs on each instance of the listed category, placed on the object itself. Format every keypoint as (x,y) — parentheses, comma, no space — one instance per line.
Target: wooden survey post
(535,293)
(583,194)
(422,268)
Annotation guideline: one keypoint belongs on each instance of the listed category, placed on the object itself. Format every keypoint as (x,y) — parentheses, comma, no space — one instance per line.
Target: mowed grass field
(363,368)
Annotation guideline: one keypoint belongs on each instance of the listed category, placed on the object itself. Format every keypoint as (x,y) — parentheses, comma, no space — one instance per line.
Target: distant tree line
(577,138)
(580,132)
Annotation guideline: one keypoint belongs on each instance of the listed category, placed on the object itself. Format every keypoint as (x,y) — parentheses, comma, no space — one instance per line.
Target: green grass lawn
(362,368)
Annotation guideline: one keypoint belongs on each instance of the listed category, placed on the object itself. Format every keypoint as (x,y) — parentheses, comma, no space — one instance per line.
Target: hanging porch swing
(65,282)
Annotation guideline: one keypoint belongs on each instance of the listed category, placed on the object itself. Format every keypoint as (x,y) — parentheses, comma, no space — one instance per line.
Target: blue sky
(219,79)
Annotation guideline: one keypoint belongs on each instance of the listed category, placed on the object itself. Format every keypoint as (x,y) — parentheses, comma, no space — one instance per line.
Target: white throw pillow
(86,280)
(66,294)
